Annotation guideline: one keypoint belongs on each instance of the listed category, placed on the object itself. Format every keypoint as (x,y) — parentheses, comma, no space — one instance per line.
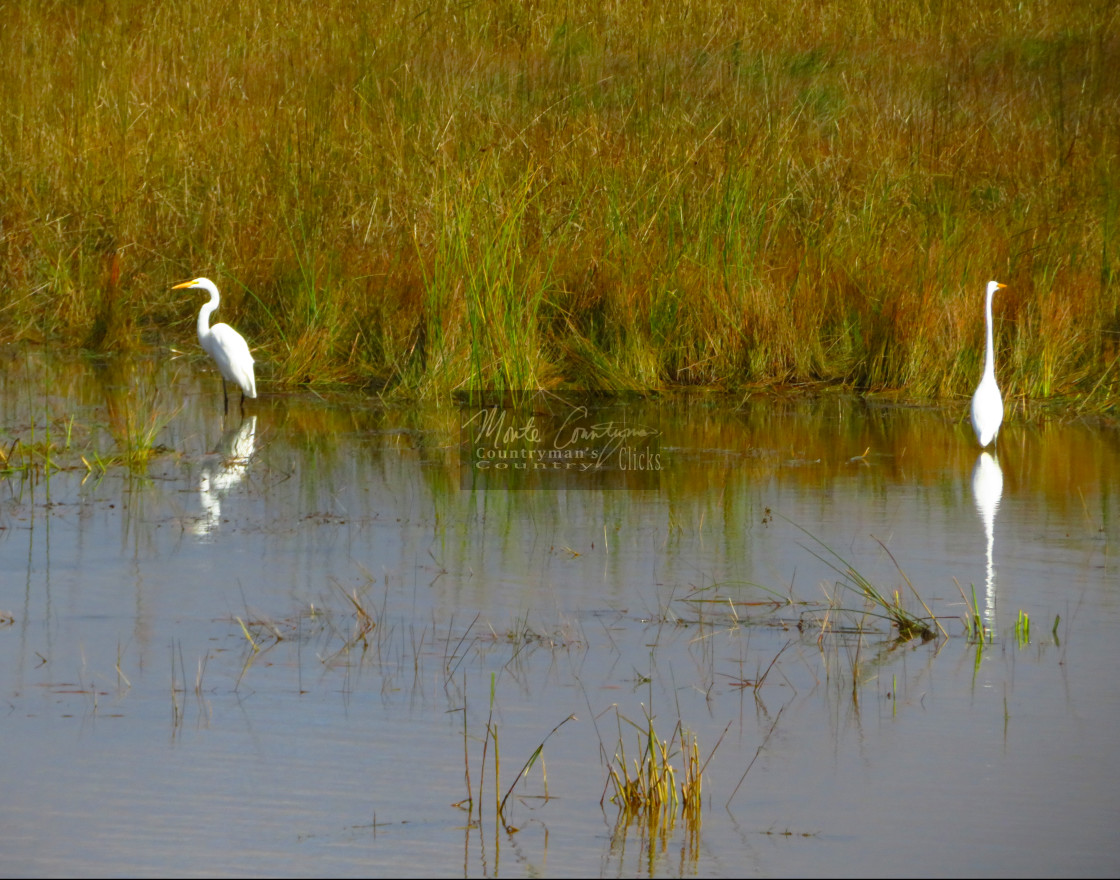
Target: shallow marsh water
(278,649)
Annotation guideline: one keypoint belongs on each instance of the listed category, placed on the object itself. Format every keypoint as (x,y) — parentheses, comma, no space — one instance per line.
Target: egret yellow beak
(184,284)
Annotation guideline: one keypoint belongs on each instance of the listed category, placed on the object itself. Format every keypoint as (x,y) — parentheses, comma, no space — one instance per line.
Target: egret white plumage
(225,345)
(987,402)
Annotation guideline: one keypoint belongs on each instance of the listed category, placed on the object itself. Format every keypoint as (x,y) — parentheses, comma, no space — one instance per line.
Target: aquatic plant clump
(647,786)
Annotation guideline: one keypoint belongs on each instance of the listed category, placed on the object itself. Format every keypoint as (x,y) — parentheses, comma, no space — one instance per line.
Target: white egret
(225,345)
(987,402)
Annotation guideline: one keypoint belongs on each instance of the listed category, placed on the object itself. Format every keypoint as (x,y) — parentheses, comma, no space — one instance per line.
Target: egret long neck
(205,312)
(990,350)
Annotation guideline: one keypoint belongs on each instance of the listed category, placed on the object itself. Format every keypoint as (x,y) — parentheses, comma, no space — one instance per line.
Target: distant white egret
(225,345)
(987,402)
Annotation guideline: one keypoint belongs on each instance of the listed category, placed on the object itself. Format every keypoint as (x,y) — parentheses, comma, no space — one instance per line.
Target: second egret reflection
(987,490)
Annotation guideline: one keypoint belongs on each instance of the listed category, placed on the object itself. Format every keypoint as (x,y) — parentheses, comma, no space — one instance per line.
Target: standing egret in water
(225,345)
(987,402)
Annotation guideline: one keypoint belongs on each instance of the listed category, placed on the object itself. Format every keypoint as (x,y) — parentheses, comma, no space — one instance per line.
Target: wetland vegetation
(429,197)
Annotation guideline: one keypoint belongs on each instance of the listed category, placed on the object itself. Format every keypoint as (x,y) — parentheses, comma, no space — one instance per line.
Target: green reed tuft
(646,786)
(975,628)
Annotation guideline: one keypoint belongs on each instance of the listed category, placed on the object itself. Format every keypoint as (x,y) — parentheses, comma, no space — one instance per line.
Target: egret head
(204,283)
(993,286)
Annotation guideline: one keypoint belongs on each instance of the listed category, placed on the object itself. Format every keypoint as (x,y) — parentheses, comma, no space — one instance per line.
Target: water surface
(286,646)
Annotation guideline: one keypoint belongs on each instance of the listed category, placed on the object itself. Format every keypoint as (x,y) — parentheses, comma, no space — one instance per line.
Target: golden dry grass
(606,195)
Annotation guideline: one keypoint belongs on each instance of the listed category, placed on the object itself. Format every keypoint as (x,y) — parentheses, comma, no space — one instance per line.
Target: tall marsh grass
(608,195)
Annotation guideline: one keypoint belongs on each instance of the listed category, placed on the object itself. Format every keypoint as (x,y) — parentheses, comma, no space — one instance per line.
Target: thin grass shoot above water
(976,630)
(472,803)
(908,624)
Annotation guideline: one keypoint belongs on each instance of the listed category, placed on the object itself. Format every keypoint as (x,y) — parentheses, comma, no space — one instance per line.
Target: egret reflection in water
(219,476)
(987,490)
